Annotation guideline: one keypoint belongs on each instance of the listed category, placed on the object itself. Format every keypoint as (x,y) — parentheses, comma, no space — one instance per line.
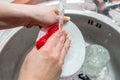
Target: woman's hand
(46,63)
(45,16)
(14,15)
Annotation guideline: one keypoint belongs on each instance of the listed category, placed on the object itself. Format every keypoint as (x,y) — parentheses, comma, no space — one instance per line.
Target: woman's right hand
(46,63)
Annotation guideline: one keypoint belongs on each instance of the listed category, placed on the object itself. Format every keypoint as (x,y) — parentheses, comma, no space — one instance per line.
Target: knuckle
(54,58)
(62,40)
(46,51)
(57,35)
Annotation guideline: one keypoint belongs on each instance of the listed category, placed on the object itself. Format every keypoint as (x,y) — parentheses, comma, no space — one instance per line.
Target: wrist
(35,17)
(21,14)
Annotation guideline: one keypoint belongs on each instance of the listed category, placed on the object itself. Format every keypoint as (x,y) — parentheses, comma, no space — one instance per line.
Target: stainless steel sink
(96,29)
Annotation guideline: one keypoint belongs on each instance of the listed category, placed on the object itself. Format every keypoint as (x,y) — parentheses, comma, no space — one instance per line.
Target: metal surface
(96,29)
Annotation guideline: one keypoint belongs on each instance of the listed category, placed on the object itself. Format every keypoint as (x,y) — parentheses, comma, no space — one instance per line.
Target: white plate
(76,53)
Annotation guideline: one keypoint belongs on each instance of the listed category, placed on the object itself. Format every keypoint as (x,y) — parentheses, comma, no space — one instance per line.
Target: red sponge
(40,42)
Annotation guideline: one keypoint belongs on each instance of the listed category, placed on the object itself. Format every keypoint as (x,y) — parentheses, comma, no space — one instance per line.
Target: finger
(53,40)
(61,42)
(65,49)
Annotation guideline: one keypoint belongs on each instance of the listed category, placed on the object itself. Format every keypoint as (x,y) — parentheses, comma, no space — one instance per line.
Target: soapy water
(95,65)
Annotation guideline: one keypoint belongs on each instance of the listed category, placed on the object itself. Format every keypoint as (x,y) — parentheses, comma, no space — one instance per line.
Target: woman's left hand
(45,16)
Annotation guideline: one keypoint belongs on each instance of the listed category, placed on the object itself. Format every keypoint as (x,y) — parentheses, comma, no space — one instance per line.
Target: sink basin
(96,29)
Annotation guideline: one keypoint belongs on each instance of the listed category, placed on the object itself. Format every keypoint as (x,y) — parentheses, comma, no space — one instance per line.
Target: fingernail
(68,18)
(66,32)
(70,38)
